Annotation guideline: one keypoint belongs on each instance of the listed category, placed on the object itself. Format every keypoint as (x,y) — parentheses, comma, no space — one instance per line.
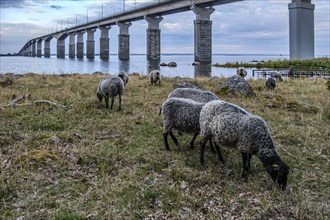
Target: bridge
(301,20)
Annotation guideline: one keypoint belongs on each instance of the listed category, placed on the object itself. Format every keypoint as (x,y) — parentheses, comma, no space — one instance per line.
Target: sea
(137,64)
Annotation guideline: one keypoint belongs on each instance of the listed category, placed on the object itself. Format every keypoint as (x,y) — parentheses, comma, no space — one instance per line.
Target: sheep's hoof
(245,175)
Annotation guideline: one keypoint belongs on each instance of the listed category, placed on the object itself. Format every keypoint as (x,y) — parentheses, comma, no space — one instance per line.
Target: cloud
(56,6)
(12,4)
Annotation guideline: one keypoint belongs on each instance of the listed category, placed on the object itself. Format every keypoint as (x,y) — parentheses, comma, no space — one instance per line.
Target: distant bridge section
(301,31)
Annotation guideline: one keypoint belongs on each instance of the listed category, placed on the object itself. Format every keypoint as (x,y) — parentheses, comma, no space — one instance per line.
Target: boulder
(235,85)
(163,64)
(172,64)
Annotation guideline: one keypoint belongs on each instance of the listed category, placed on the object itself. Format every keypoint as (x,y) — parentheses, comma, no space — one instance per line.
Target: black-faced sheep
(123,75)
(230,125)
(277,75)
(270,83)
(154,77)
(241,71)
(110,88)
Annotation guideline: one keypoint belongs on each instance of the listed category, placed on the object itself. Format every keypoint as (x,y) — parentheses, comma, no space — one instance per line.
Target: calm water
(137,64)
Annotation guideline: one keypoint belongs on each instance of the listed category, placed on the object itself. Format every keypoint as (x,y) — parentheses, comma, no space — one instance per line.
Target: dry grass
(89,162)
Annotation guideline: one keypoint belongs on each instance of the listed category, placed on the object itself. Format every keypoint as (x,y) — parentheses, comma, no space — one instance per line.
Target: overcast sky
(251,26)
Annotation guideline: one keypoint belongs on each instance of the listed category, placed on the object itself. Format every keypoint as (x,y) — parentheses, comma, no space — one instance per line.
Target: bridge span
(301,31)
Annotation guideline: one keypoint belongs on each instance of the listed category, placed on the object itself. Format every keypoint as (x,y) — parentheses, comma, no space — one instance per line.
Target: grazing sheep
(230,125)
(276,75)
(110,87)
(123,75)
(155,77)
(193,94)
(270,83)
(241,71)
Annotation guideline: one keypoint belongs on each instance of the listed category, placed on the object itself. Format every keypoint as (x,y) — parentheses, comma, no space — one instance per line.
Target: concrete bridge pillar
(30,50)
(80,44)
(39,41)
(72,45)
(104,42)
(33,48)
(153,38)
(203,34)
(47,48)
(90,49)
(301,25)
(123,40)
(60,48)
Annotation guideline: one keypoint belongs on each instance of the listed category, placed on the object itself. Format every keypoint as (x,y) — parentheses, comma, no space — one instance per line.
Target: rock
(300,106)
(55,138)
(172,64)
(163,64)
(235,85)
(185,84)
(196,63)
(97,73)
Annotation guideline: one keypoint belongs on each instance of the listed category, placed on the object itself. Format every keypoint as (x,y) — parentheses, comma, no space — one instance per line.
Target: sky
(247,27)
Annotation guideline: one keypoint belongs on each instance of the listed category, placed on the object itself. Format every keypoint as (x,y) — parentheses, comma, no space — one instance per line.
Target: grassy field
(83,161)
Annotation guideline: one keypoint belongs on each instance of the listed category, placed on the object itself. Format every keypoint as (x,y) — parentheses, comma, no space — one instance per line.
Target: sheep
(193,94)
(276,75)
(110,87)
(241,71)
(123,75)
(230,125)
(270,83)
(154,77)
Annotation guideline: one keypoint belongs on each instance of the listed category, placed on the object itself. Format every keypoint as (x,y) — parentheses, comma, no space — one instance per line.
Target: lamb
(154,77)
(110,88)
(241,71)
(193,94)
(123,75)
(230,125)
(270,83)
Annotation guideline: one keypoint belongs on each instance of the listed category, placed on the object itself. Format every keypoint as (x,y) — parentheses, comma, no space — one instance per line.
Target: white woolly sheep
(270,83)
(110,87)
(123,75)
(154,77)
(241,71)
(233,126)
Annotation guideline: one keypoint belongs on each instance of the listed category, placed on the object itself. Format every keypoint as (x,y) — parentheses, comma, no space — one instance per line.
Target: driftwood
(14,103)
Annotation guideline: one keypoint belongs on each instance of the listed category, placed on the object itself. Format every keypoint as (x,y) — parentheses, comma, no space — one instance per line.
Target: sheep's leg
(112,100)
(212,148)
(218,151)
(245,157)
(193,140)
(174,139)
(106,102)
(119,103)
(203,143)
(165,135)
(249,161)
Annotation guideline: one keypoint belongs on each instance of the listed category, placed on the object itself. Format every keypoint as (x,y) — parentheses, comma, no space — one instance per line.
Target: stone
(172,64)
(185,84)
(235,85)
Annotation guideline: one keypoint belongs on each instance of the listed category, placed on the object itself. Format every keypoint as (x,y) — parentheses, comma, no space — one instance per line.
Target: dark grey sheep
(193,94)
(270,83)
(154,77)
(230,125)
(110,88)
(123,75)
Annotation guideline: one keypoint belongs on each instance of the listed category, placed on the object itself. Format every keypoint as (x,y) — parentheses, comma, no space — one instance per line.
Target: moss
(36,155)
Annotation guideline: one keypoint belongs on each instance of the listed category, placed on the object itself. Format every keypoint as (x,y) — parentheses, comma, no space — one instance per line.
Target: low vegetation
(70,158)
(317,63)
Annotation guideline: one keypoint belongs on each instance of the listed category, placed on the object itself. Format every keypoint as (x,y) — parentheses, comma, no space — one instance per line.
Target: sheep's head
(99,96)
(279,172)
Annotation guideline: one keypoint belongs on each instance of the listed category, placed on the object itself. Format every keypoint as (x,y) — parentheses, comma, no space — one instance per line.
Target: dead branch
(14,104)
